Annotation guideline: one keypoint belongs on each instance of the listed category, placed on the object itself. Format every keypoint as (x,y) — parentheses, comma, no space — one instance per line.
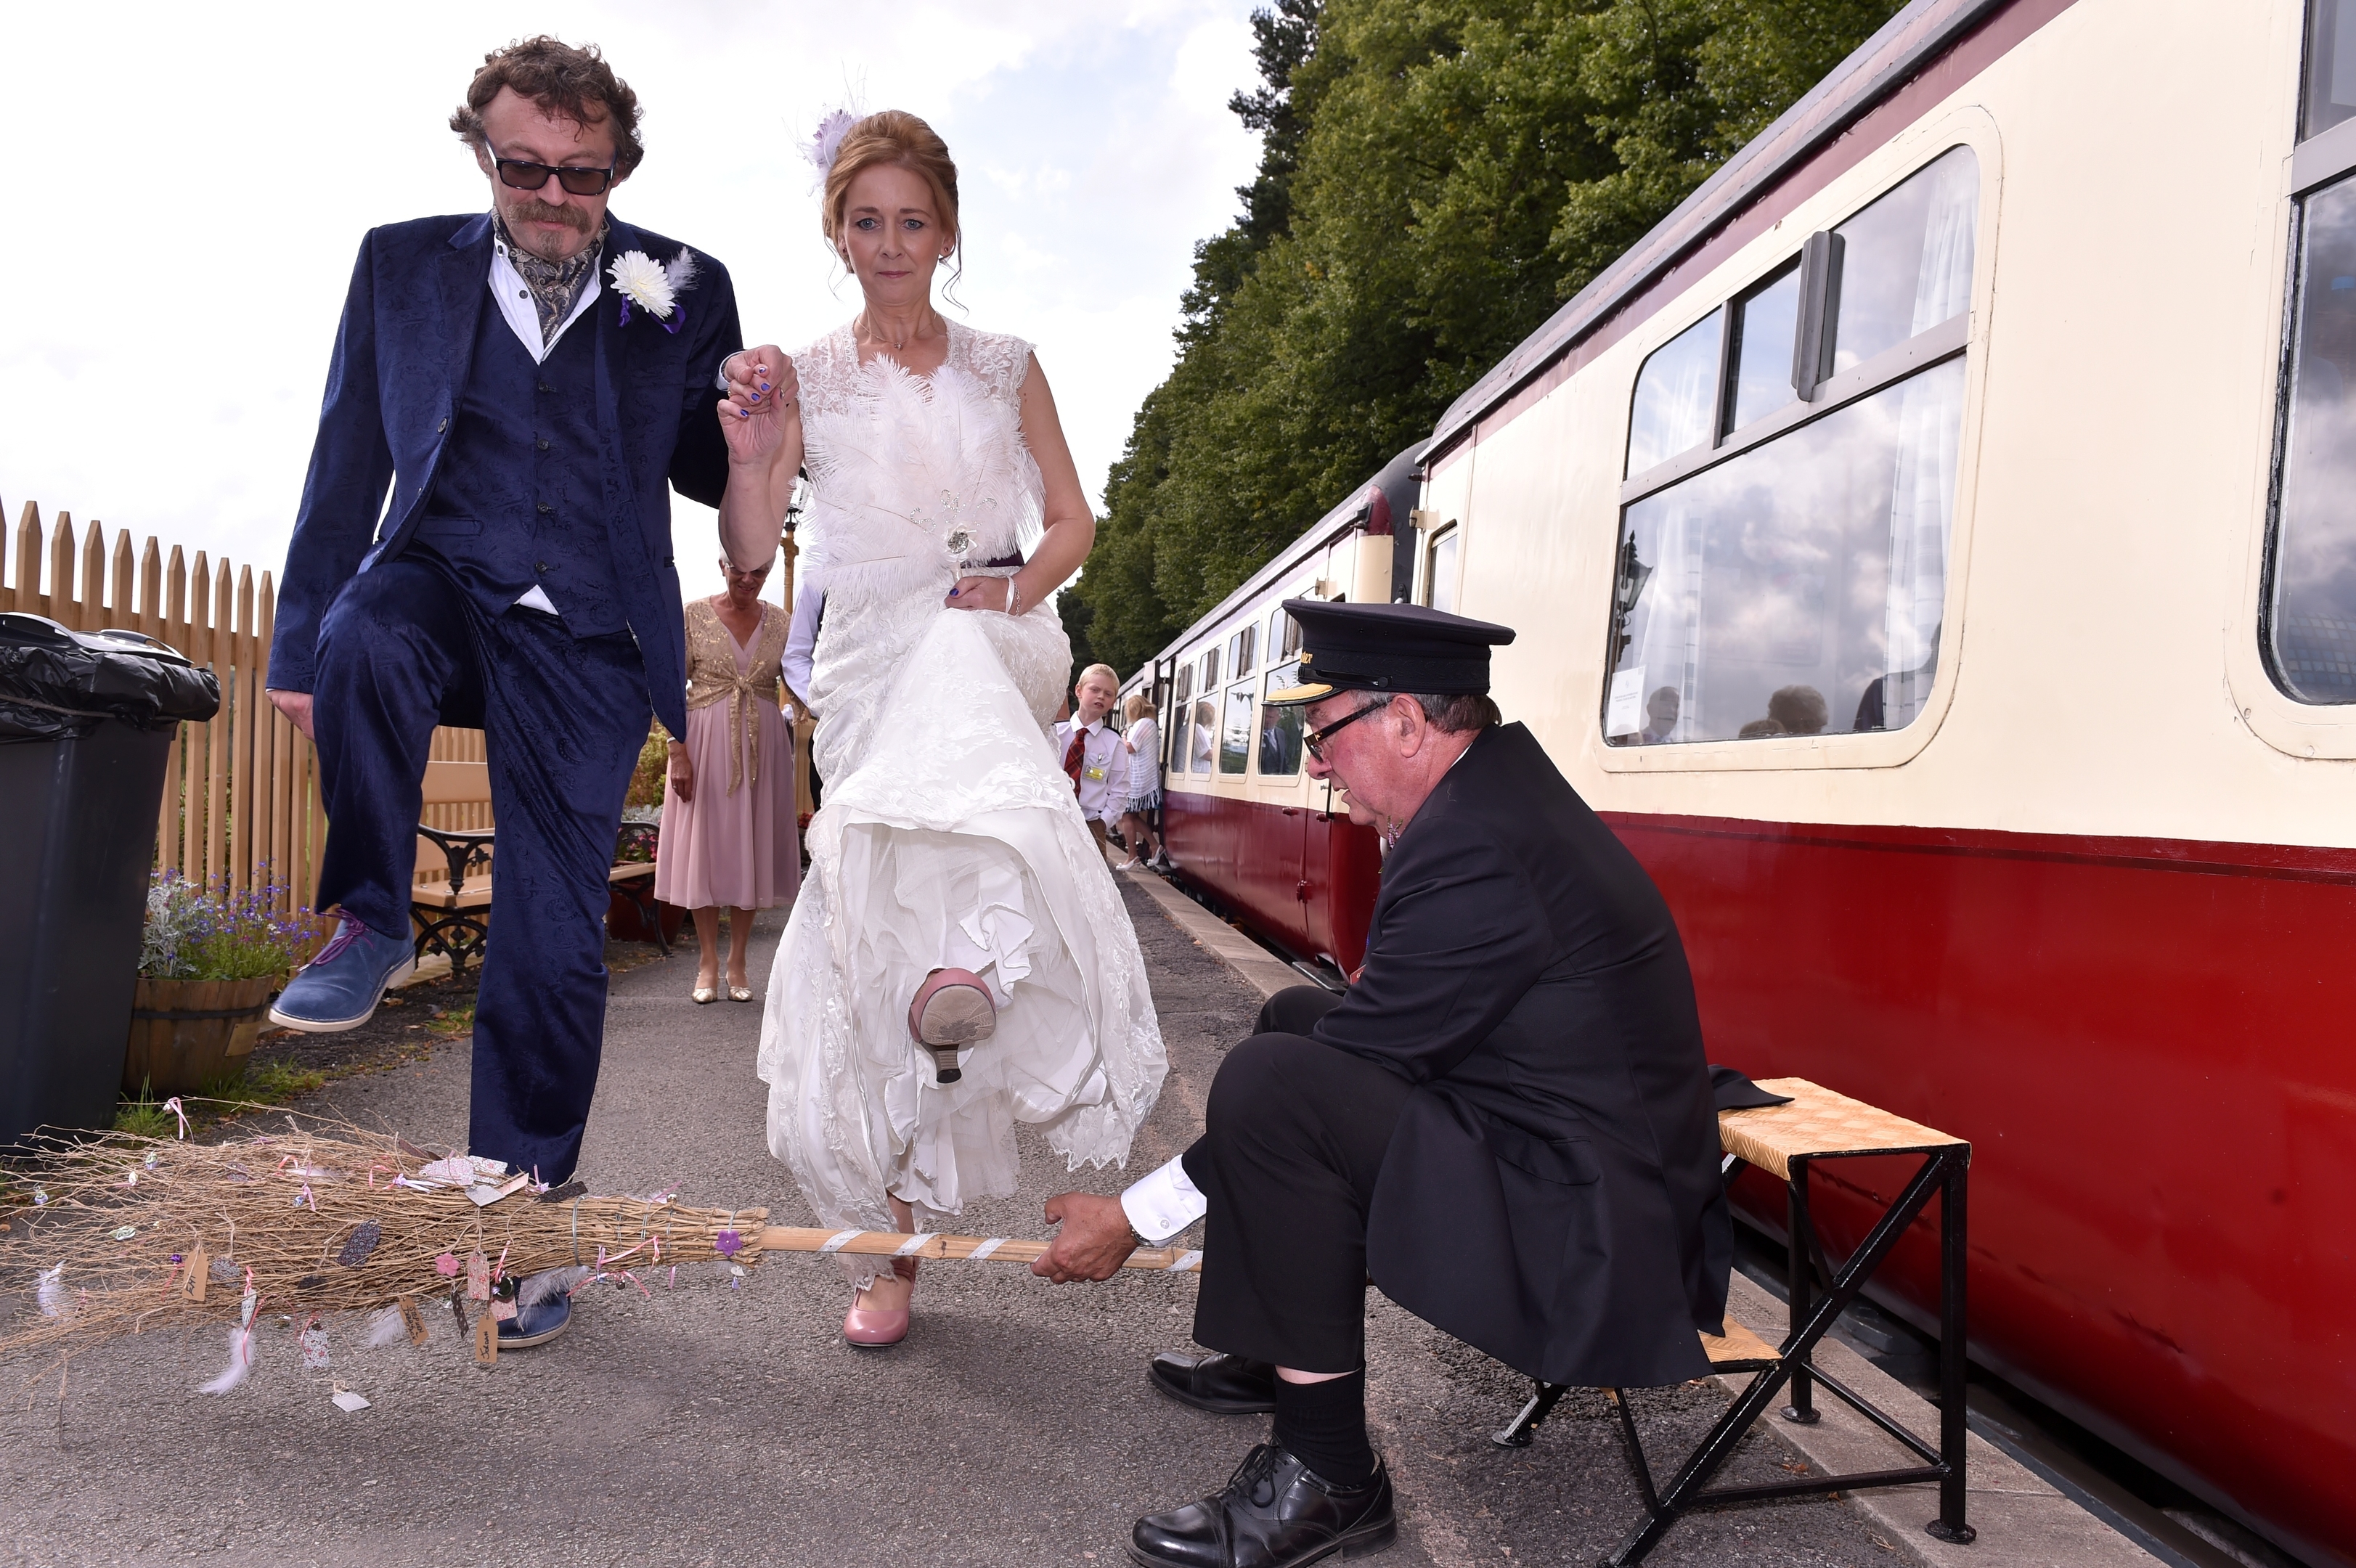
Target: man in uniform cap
(1506,1122)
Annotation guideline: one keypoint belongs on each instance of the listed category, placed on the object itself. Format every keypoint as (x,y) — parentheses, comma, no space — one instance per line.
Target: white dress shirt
(515,304)
(801,636)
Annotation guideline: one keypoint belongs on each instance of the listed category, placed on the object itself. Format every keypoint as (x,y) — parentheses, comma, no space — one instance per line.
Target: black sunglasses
(1316,738)
(520,175)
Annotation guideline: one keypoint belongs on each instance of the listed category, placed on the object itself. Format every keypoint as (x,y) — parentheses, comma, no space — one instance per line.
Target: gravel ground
(705,1425)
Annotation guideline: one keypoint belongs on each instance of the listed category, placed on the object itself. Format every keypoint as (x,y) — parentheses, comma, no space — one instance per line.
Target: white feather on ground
(556,1282)
(384,1328)
(53,1291)
(241,1363)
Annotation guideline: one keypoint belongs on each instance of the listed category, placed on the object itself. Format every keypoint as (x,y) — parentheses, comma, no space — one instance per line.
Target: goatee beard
(546,247)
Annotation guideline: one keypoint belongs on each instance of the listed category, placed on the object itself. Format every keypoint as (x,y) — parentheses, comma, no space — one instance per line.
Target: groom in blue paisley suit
(528,384)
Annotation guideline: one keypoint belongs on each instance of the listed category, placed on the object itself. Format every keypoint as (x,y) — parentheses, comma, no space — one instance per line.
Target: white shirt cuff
(1163,1204)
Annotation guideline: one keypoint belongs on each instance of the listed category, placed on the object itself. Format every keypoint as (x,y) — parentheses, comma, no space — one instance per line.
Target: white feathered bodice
(915,479)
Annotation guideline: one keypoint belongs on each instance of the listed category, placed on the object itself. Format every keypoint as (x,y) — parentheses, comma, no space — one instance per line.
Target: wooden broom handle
(996,1249)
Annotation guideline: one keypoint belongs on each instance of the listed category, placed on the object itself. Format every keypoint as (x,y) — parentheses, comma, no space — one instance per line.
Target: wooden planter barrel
(186,1033)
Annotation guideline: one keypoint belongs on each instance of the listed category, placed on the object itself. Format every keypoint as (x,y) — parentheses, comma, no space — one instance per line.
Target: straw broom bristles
(275,1213)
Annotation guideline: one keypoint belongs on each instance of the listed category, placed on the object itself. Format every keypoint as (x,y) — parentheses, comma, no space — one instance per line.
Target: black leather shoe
(1275,1513)
(1222,1384)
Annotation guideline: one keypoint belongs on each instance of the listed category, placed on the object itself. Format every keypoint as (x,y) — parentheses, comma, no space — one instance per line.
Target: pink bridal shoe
(953,1009)
(872,1328)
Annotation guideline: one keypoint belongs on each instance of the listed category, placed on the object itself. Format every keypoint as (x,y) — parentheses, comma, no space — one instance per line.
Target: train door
(1280,815)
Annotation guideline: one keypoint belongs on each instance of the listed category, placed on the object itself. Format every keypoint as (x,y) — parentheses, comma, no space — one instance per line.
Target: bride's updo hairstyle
(892,136)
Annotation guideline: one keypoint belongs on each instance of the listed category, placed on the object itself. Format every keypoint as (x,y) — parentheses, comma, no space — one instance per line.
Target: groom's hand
(763,398)
(1094,1241)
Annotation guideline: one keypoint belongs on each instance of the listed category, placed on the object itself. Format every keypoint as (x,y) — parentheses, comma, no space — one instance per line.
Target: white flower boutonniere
(653,287)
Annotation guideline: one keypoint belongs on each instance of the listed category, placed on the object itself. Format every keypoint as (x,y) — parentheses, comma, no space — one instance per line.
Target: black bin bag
(87,724)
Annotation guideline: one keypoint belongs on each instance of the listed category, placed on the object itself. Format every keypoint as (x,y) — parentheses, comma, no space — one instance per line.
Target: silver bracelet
(723,366)
(1014,597)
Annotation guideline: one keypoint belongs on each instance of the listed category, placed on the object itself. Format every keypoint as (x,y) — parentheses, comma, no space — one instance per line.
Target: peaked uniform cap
(1388,647)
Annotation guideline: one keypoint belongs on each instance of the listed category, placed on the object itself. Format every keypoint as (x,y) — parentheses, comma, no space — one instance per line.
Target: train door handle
(1300,891)
(1292,811)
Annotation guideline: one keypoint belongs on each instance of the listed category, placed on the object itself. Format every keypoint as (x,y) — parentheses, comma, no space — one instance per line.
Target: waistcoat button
(544,445)
(546,387)
(546,507)
(540,566)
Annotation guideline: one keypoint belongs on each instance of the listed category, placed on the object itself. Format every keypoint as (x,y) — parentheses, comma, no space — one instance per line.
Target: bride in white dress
(954,890)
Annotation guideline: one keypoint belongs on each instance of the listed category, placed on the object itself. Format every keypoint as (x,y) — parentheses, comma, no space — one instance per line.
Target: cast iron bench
(1784,1140)
(452,917)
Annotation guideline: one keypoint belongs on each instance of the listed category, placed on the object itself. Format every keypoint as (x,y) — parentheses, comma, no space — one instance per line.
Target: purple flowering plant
(210,931)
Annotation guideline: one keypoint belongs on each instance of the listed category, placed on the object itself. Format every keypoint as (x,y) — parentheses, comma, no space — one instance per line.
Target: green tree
(1437,177)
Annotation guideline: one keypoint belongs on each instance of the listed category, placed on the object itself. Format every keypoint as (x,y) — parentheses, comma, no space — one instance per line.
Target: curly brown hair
(567,83)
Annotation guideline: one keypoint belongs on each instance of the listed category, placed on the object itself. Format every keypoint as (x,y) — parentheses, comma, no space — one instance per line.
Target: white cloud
(190,185)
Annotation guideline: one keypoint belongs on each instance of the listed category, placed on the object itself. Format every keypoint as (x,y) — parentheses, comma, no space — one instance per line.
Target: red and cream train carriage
(1935,552)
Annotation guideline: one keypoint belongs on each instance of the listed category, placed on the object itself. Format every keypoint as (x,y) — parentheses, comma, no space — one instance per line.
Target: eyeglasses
(1316,738)
(521,175)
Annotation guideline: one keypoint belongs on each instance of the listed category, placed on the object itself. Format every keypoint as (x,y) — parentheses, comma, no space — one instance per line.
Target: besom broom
(123,1232)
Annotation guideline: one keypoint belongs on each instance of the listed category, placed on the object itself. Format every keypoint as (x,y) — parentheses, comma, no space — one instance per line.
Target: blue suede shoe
(339,989)
(538,1323)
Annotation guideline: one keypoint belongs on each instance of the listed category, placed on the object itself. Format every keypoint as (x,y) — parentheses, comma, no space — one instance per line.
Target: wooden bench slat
(457,783)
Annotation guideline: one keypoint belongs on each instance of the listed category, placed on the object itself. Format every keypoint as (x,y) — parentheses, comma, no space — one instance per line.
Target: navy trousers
(400,650)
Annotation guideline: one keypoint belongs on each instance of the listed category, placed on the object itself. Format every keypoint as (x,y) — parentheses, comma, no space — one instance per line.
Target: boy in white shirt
(1092,752)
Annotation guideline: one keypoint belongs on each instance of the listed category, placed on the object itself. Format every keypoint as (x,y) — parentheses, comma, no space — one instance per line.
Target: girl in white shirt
(1144,738)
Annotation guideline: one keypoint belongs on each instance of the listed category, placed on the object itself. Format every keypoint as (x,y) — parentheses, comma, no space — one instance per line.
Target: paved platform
(708,1425)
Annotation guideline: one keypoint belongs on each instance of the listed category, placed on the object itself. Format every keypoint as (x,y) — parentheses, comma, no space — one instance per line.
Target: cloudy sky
(188,186)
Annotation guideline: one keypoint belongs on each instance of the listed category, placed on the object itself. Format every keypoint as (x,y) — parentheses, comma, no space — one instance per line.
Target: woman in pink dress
(728,830)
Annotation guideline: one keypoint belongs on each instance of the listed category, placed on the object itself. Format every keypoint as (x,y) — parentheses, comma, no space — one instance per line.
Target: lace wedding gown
(949,836)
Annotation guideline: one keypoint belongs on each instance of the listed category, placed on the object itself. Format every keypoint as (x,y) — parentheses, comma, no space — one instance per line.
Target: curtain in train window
(1280,730)
(1236,734)
(2310,632)
(1671,413)
(1906,261)
(1795,590)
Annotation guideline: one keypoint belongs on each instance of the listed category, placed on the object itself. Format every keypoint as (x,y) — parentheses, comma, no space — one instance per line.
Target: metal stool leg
(1955,1257)
(1799,1273)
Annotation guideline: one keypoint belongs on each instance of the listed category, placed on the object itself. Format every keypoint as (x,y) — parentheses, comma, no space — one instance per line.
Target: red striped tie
(1075,754)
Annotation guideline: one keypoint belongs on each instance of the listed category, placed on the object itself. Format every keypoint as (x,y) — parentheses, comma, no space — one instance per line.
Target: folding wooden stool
(1786,1140)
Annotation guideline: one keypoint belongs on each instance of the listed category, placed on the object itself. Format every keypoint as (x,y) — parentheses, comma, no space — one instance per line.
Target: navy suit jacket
(403,354)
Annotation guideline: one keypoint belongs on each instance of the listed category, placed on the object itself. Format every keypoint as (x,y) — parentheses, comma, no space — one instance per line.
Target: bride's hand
(979,593)
(763,405)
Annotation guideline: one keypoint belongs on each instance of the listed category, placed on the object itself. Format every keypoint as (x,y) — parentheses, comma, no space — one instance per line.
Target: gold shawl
(712,677)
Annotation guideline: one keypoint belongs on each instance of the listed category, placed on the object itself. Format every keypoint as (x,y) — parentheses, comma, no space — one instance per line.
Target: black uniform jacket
(1551,1194)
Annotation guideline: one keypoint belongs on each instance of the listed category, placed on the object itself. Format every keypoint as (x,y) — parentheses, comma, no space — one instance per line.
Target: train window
(1241,650)
(1277,622)
(1765,326)
(1280,732)
(1236,734)
(1797,589)
(2330,65)
(1440,571)
(1906,261)
(1674,389)
(1210,669)
(1292,645)
(1207,730)
(1178,711)
(2310,630)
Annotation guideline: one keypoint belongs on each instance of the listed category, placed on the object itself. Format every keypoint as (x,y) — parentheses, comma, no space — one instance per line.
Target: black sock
(1325,1426)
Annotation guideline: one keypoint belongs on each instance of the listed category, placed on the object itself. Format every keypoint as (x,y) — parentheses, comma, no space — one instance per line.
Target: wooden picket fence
(241,795)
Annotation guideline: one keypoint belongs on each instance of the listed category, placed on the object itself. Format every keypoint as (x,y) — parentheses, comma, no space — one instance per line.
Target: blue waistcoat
(517,501)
